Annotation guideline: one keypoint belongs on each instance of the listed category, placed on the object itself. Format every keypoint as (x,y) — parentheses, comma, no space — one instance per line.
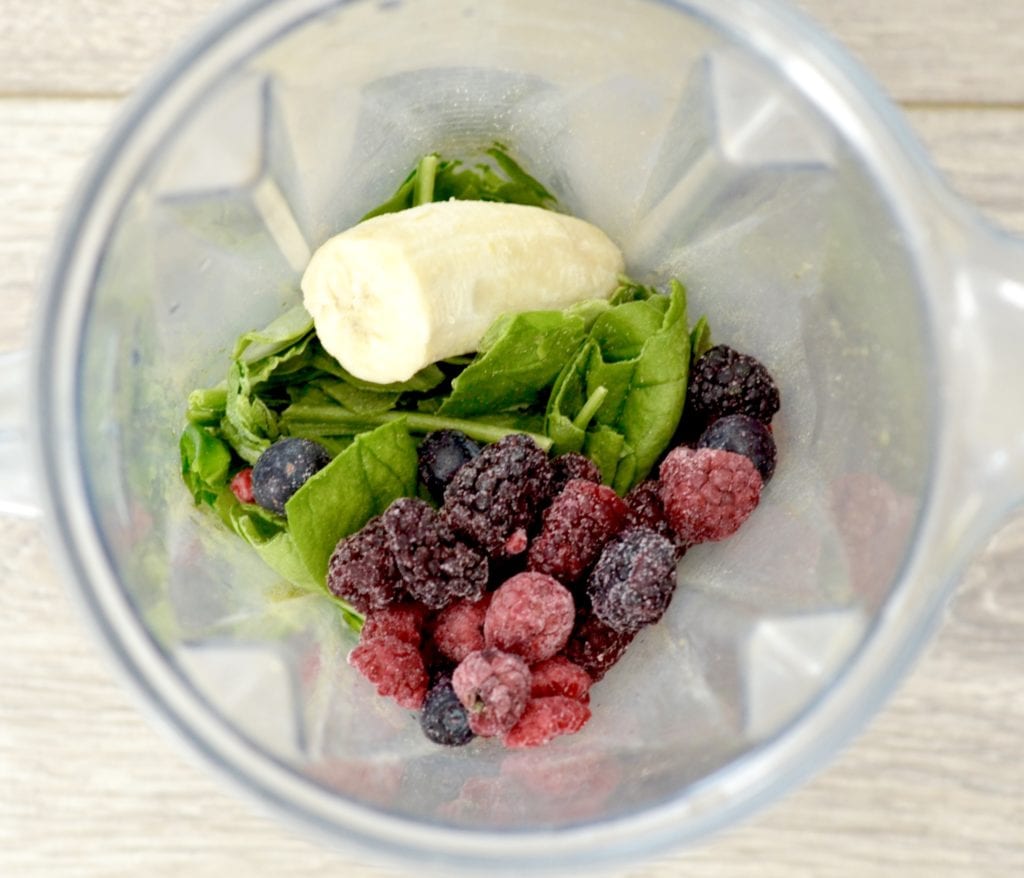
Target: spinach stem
(329,417)
(590,407)
(426,173)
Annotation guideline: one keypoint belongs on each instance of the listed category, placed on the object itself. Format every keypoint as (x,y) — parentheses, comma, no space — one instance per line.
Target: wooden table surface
(934,787)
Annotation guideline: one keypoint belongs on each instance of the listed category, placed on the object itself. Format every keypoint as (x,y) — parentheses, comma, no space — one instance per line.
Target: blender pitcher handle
(988,381)
(18,492)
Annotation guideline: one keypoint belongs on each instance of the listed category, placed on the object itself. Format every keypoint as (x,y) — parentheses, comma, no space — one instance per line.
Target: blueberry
(743,434)
(443,719)
(284,468)
(441,454)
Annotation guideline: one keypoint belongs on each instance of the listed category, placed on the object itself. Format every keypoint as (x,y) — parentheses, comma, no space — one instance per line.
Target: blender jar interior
(705,161)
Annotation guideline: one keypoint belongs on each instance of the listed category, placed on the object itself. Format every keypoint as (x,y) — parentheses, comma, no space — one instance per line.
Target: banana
(403,290)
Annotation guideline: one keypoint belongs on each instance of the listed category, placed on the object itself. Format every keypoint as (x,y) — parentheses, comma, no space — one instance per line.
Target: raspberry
(744,435)
(531,616)
(647,510)
(459,628)
(594,646)
(708,493)
(444,719)
(494,687)
(394,667)
(241,486)
(545,719)
(441,454)
(436,568)
(284,468)
(576,526)
(404,621)
(633,580)
(573,465)
(362,569)
(496,498)
(725,382)
(559,676)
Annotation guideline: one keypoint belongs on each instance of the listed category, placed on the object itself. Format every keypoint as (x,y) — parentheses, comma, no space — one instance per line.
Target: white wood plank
(921,50)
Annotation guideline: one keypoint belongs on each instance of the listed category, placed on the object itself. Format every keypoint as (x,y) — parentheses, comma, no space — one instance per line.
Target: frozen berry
(496,498)
(708,493)
(559,676)
(444,718)
(362,569)
(545,719)
(494,687)
(441,454)
(459,628)
(633,580)
(435,566)
(241,486)
(573,465)
(531,615)
(404,621)
(394,667)
(594,646)
(744,435)
(647,510)
(576,526)
(726,382)
(284,468)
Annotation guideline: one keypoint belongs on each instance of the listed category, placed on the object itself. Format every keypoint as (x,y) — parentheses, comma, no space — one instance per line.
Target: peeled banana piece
(403,290)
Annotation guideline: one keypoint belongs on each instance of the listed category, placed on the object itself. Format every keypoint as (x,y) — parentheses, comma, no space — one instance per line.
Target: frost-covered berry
(744,435)
(577,524)
(726,382)
(444,719)
(573,465)
(436,567)
(441,455)
(708,493)
(403,620)
(559,676)
(647,510)
(545,719)
(496,498)
(531,615)
(458,629)
(394,666)
(284,468)
(494,687)
(241,486)
(633,581)
(594,646)
(362,569)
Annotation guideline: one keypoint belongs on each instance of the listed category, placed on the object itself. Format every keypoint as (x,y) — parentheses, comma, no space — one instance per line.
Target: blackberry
(362,569)
(573,465)
(546,719)
(633,580)
(647,510)
(577,524)
(726,382)
(594,646)
(531,616)
(496,498)
(744,435)
(441,454)
(436,567)
(494,687)
(708,493)
(444,719)
(284,468)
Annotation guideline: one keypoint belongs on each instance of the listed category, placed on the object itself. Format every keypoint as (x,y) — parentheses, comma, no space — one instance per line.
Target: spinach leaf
(207,405)
(522,355)
(248,424)
(700,340)
(205,463)
(284,332)
(359,483)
